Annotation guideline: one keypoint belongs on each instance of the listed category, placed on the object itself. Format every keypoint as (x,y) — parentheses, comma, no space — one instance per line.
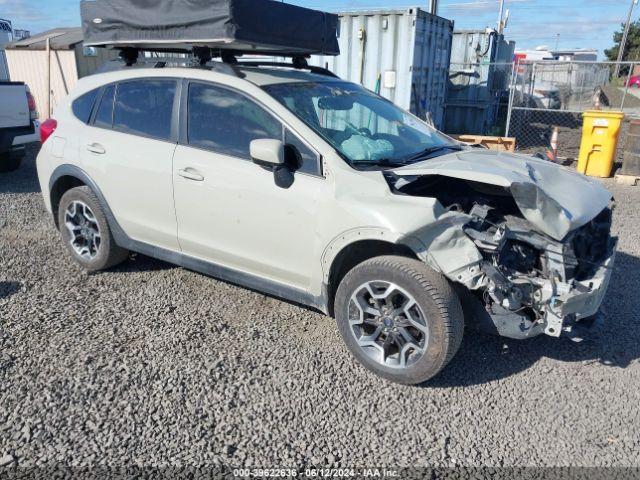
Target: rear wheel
(85,230)
(399,318)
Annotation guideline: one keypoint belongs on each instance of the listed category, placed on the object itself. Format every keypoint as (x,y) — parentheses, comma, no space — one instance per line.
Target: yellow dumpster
(600,132)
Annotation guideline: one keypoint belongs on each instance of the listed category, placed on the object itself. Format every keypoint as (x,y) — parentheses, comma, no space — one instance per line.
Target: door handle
(191,175)
(96,148)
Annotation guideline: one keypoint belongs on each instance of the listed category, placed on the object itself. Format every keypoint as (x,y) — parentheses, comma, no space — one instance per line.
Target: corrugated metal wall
(388,41)
(479,78)
(406,52)
(431,67)
(30,67)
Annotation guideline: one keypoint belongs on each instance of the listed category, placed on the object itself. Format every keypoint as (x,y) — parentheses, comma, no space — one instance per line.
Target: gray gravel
(150,364)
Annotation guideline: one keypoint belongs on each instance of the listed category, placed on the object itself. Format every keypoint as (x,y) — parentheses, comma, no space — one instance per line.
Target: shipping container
(402,54)
(479,77)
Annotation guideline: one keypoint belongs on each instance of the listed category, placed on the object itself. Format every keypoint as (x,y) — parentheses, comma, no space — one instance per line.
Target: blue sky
(580,23)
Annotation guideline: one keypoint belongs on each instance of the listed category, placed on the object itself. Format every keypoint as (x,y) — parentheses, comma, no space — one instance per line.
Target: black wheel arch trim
(67,170)
(236,277)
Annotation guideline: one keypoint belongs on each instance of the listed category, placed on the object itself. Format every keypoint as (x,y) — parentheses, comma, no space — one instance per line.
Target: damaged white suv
(295,183)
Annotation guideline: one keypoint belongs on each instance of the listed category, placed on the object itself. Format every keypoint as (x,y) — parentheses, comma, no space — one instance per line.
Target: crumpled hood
(554,199)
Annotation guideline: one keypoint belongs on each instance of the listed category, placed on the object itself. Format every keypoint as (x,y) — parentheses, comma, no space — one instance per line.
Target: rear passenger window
(225,121)
(104,115)
(83,105)
(144,107)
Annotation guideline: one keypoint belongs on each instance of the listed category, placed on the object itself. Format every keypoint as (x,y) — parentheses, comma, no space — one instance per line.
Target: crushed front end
(536,284)
(524,282)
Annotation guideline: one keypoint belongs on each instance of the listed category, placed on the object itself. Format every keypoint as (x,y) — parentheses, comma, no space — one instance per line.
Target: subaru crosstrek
(306,187)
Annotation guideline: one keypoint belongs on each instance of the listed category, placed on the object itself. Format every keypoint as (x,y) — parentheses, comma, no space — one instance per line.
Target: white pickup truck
(18,123)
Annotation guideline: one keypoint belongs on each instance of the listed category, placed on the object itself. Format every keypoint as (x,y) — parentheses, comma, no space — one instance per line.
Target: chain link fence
(548,96)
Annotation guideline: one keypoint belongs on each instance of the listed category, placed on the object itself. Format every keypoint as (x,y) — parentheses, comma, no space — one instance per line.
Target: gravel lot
(150,364)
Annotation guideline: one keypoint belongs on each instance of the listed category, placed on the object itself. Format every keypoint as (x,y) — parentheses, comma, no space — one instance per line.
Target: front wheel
(400,319)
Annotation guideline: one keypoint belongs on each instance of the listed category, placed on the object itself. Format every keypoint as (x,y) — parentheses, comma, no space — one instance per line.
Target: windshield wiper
(431,150)
(382,162)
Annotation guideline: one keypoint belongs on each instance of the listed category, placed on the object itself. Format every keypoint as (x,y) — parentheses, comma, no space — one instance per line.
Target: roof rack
(202,58)
(305,66)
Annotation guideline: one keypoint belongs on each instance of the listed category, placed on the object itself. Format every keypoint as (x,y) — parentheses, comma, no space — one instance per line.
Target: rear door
(128,151)
(230,211)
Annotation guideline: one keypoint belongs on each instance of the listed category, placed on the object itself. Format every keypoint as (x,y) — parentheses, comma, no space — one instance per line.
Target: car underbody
(520,282)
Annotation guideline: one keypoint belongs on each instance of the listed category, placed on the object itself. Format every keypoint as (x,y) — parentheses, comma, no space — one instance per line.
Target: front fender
(442,245)
(348,237)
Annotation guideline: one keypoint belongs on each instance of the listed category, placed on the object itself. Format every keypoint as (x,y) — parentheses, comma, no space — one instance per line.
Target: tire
(435,323)
(9,163)
(101,252)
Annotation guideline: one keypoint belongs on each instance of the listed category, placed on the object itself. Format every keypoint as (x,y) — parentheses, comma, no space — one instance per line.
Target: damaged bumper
(549,307)
(559,308)
(579,301)
(532,284)
(535,284)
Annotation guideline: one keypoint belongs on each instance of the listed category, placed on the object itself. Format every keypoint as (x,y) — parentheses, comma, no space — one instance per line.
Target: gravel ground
(150,364)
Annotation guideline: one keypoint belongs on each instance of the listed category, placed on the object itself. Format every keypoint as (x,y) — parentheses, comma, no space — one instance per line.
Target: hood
(553,198)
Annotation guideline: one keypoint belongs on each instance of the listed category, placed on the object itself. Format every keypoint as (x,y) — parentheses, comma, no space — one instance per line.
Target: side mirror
(270,154)
(267,152)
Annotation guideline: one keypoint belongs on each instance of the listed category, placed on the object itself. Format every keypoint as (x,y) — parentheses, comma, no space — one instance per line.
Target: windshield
(365,128)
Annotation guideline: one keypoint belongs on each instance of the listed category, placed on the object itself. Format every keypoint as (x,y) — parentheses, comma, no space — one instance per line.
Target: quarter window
(225,121)
(83,105)
(104,115)
(144,107)
(309,161)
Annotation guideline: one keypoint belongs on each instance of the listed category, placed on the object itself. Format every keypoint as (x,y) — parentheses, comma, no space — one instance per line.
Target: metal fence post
(581,105)
(626,84)
(571,89)
(512,87)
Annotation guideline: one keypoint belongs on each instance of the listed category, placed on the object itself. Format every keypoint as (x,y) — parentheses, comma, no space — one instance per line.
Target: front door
(229,210)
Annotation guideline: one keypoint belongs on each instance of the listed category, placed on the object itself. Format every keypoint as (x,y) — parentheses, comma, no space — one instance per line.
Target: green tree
(632,49)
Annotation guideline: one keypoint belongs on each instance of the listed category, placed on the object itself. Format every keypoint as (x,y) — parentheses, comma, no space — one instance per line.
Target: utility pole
(557,40)
(623,43)
(48,80)
(501,16)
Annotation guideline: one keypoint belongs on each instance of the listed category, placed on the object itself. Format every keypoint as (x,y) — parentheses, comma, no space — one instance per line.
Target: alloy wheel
(83,229)
(388,324)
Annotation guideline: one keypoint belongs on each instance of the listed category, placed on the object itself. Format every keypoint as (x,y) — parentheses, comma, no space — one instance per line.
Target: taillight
(47,128)
(33,111)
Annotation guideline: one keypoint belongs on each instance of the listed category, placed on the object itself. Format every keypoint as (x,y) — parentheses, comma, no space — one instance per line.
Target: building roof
(569,51)
(59,39)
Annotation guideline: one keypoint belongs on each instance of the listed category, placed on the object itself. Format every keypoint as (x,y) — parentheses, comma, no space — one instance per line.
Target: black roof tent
(231,27)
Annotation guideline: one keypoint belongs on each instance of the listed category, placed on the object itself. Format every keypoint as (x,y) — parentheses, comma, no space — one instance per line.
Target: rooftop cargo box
(240,26)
